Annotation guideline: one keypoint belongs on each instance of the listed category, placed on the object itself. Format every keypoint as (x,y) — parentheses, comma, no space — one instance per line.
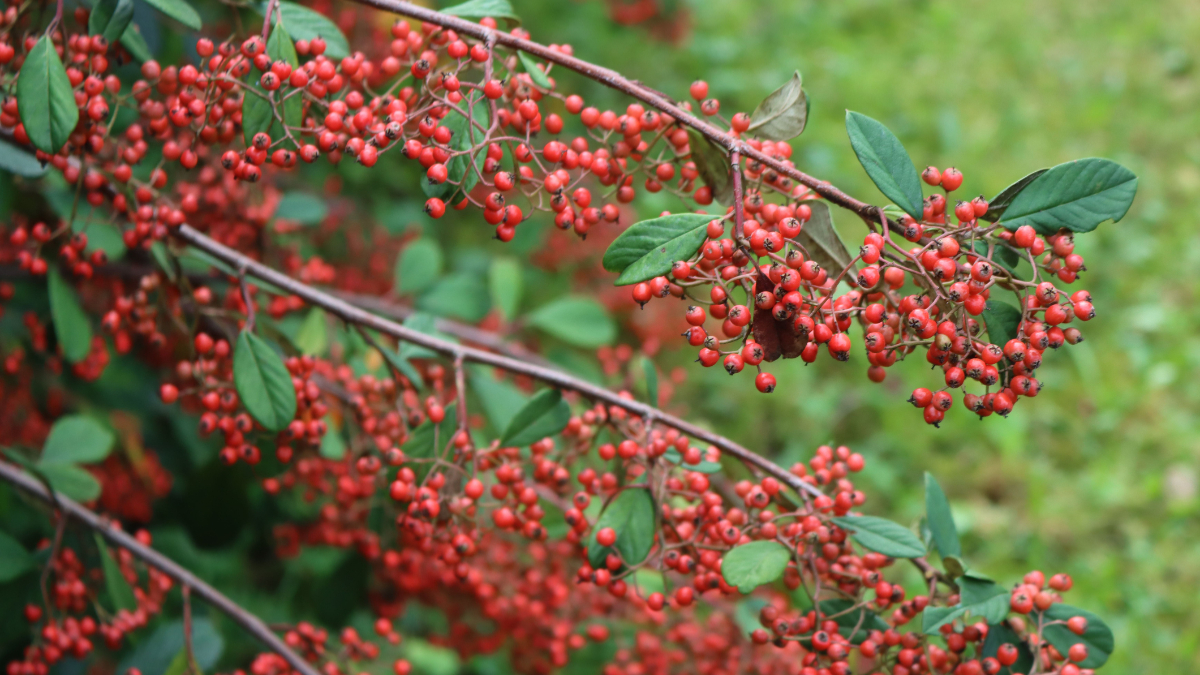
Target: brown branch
(555,378)
(67,507)
(641,92)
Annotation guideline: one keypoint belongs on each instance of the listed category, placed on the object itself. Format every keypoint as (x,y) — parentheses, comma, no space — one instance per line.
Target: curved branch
(615,80)
(348,312)
(251,623)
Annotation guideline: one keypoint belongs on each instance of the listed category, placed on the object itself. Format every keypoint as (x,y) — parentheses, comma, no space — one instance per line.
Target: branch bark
(69,508)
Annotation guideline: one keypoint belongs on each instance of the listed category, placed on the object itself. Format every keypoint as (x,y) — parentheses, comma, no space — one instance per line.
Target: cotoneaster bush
(547,518)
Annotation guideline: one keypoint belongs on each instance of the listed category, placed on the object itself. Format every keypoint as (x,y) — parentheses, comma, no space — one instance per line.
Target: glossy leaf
(45,100)
(820,238)
(1002,320)
(751,565)
(1001,255)
(76,439)
(506,283)
(712,162)
(536,74)
(14,559)
(783,114)
(1077,195)
(461,295)
(940,520)
(501,399)
(419,266)
(544,415)
(301,207)
(984,599)
(71,324)
(479,9)
(882,536)
(647,249)
(263,382)
(886,162)
(120,594)
(16,160)
(577,320)
(313,336)
(110,18)
(71,480)
(1098,637)
(849,619)
(999,204)
(179,10)
(631,515)
(257,112)
(1002,634)
(305,24)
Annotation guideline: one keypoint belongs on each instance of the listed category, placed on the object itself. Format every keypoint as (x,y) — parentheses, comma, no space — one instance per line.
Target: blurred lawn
(1097,476)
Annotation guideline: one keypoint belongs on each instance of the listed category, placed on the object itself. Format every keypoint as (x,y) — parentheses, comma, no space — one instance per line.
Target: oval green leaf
(713,165)
(419,265)
(110,18)
(263,382)
(71,324)
(882,536)
(17,160)
(940,520)
(999,204)
(648,248)
(71,480)
(14,559)
(536,74)
(505,283)
(783,114)
(257,112)
(820,238)
(886,162)
(462,295)
(631,515)
(119,592)
(76,439)
(1077,196)
(305,24)
(301,207)
(179,10)
(1098,637)
(45,100)
(576,320)
(544,415)
(313,336)
(1002,321)
(751,565)
(479,9)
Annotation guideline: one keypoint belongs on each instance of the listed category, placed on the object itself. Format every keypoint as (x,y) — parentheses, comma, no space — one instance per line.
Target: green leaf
(157,653)
(419,266)
(164,259)
(544,415)
(71,324)
(17,160)
(71,480)
(1077,196)
(119,591)
(984,598)
(505,283)
(479,9)
(705,466)
(1002,634)
(751,565)
(850,619)
(110,18)
(135,44)
(783,114)
(263,382)
(651,374)
(1098,637)
(1002,321)
(461,295)
(712,162)
(76,439)
(459,178)
(1002,255)
(14,559)
(536,74)
(313,336)
(933,618)
(257,114)
(647,249)
(886,162)
(301,207)
(45,100)
(179,10)
(305,24)
(333,446)
(882,536)
(501,399)
(999,204)
(576,320)
(429,439)
(631,515)
(820,238)
(940,520)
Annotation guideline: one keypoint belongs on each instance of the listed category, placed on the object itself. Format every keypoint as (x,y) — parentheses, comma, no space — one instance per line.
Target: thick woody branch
(657,100)
(69,508)
(555,378)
